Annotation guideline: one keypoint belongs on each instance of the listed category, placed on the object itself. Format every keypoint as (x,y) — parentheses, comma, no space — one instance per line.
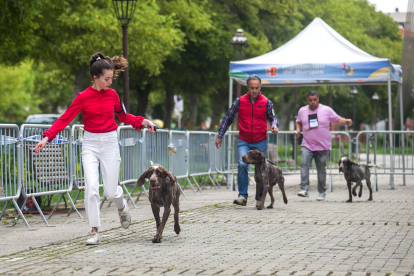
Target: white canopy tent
(319,56)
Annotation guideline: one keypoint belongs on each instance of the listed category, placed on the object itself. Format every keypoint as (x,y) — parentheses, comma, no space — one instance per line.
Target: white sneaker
(241,200)
(94,239)
(125,217)
(303,193)
(321,197)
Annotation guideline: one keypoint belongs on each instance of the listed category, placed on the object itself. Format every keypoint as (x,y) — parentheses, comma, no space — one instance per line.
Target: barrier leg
(4,209)
(41,213)
(189,182)
(218,184)
(375,183)
(214,184)
(201,192)
(181,190)
(54,207)
(73,205)
(129,195)
(74,202)
(140,193)
(20,214)
(132,193)
(330,183)
(102,203)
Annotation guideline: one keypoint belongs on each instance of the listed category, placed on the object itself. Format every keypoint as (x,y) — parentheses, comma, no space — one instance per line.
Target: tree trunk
(82,81)
(286,113)
(193,108)
(142,96)
(219,106)
(168,106)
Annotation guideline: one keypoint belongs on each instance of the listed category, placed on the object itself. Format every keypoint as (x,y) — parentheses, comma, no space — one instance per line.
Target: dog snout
(152,180)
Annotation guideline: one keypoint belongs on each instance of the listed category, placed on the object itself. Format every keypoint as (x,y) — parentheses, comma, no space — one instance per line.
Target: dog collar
(155,187)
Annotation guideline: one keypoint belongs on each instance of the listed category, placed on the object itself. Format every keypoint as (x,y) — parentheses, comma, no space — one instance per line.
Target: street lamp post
(354,93)
(239,42)
(375,99)
(124,11)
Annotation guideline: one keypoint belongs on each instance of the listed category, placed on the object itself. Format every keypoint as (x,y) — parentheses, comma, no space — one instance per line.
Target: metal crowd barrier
(10,167)
(48,172)
(131,150)
(284,149)
(392,150)
(179,158)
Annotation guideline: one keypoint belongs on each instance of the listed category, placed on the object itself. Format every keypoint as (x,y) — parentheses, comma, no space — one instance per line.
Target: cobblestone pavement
(304,237)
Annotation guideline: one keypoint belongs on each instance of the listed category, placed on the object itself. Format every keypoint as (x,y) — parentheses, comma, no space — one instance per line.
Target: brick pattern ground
(304,237)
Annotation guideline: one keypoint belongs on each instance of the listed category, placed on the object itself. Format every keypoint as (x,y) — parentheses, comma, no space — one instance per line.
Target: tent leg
(229,136)
(402,128)
(390,129)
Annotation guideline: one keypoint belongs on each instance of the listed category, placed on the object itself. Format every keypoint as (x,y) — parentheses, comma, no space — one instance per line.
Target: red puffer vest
(252,119)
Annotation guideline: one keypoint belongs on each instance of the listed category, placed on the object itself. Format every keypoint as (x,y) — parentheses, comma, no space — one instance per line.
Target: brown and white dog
(266,174)
(163,192)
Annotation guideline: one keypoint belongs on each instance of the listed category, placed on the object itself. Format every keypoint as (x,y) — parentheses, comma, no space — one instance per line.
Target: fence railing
(10,168)
(393,151)
(188,154)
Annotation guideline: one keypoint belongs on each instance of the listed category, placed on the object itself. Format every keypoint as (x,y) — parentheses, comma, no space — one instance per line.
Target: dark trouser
(320,159)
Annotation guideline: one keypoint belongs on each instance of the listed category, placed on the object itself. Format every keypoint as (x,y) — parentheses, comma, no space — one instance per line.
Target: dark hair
(99,63)
(312,93)
(253,77)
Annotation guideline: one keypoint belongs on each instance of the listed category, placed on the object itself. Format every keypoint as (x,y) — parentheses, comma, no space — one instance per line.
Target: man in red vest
(254,109)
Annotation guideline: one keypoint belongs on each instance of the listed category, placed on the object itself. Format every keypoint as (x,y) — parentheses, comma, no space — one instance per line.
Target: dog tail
(374,166)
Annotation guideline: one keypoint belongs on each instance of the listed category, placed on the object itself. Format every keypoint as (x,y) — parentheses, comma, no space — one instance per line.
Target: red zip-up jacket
(252,119)
(98,109)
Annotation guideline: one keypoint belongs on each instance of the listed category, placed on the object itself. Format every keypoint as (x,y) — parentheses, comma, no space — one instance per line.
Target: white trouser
(101,149)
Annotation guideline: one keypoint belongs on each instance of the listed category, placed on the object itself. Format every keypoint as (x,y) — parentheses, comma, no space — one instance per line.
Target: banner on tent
(314,72)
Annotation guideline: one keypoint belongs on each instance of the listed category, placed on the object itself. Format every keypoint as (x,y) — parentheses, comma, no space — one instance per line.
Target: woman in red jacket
(100,142)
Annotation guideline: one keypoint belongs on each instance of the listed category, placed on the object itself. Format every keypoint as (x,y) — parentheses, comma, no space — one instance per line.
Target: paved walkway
(304,237)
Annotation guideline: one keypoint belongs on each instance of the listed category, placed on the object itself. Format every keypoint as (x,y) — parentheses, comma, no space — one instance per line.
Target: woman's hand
(41,145)
(149,124)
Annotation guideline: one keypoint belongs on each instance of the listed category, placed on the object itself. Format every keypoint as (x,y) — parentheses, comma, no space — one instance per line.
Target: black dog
(356,173)
(163,192)
(266,174)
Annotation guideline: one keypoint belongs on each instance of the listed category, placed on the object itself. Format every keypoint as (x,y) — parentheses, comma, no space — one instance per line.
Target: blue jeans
(242,175)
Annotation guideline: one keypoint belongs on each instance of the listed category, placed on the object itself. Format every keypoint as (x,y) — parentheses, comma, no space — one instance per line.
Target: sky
(387,6)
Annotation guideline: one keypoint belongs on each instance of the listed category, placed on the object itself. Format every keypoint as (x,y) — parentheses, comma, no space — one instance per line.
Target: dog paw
(177,229)
(260,207)
(270,207)
(369,199)
(354,193)
(156,240)
(349,200)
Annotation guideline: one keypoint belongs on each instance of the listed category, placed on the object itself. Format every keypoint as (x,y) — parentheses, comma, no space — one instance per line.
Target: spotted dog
(266,174)
(354,172)
(163,192)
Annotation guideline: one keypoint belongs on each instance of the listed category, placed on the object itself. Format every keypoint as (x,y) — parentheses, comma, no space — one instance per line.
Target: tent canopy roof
(316,56)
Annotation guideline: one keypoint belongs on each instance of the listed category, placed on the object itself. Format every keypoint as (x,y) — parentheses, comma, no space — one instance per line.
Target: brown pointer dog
(163,192)
(266,174)
(354,172)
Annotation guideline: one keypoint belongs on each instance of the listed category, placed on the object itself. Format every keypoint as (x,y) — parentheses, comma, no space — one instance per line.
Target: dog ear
(353,163)
(167,173)
(141,179)
(263,156)
(339,163)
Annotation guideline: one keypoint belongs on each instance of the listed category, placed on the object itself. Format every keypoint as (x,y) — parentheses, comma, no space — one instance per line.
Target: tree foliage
(176,47)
